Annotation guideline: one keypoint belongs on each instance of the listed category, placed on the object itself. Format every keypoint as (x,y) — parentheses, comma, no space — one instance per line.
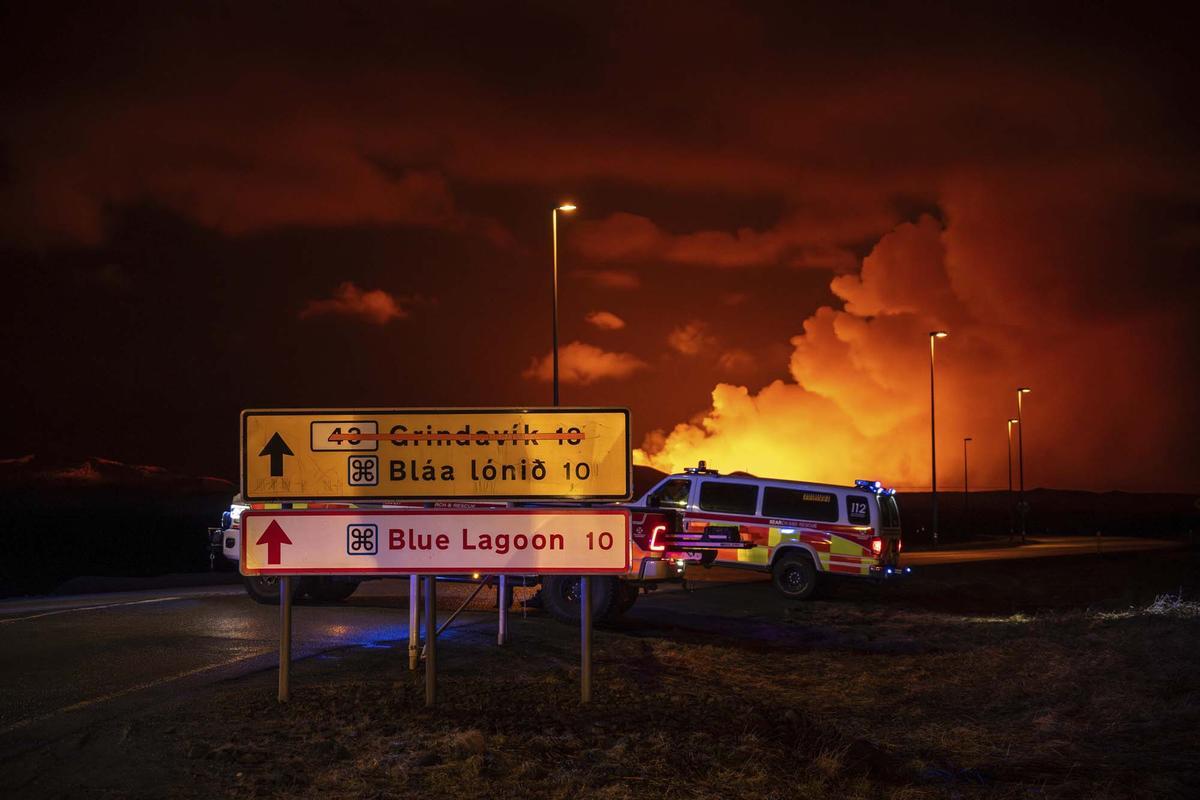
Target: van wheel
(560,597)
(265,588)
(795,576)
(328,591)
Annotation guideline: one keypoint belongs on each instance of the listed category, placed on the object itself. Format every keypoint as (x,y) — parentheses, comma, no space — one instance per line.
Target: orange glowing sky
(216,209)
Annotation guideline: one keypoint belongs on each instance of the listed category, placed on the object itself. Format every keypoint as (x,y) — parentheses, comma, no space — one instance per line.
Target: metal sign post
(285,636)
(430,640)
(502,605)
(414,622)
(585,648)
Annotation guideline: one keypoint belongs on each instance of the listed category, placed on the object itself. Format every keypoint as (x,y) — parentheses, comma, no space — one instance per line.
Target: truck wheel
(795,576)
(560,597)
(330,591)
(627,595)
(265,588)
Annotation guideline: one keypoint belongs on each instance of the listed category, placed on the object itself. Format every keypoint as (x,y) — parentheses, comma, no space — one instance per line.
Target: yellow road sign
(431,454)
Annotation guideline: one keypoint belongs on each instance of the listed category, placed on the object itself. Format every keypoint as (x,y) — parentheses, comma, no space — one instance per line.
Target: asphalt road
(65,659)
(1041,547)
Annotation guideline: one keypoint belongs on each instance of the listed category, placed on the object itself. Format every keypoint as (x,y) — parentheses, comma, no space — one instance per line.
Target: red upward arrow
(273,537)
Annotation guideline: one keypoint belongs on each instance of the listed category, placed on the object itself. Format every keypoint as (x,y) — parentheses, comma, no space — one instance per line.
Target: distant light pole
(1012,525)
(933,336)
(1022,507)
(966,488)
(565,208)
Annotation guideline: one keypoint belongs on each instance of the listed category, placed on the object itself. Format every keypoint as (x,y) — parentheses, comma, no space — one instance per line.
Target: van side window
(729,498)
(800,504)
(857,510)
(672,494)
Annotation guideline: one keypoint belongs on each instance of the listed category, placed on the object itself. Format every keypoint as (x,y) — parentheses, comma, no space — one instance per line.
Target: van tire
(265,588)
(560,597)
(795,575)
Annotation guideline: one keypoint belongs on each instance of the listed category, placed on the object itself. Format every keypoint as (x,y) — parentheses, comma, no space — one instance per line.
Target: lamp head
(567,207)
(939,334)
(1024,389)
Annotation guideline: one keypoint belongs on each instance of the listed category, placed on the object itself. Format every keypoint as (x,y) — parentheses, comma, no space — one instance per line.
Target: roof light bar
(874,486)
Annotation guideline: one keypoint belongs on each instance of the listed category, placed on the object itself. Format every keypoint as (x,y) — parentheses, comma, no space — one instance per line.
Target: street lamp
(933,336)
(966,488)
(565,208)
(1021,392)
(1011,523)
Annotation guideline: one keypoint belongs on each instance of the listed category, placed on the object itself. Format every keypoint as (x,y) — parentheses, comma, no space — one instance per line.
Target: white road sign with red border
(586,541)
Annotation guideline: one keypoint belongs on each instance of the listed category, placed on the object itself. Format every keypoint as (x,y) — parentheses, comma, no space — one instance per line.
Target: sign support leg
(285,635)
(414,622)
(585,650)
(430,641)
(502,603)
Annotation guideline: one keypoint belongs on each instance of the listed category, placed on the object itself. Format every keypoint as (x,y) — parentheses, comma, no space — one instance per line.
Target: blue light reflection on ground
(388,636)
(382,636)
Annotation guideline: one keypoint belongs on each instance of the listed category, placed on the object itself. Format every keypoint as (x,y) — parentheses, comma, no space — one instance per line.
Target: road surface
(64,659)
(1042,547)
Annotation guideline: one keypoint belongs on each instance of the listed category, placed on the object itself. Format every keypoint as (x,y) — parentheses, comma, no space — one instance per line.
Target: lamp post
(933,336)
(966,488)
(1021,506)
(565,208)
(1012,528)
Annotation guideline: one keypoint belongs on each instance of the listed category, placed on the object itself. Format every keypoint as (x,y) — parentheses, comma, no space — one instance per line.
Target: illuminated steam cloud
(1030,279)
(582,364)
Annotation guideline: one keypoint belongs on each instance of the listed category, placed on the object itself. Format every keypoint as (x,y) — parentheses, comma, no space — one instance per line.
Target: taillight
(877,546)
(654,534)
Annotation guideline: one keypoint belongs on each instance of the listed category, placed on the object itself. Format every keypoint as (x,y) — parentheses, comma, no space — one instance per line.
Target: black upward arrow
(277,448)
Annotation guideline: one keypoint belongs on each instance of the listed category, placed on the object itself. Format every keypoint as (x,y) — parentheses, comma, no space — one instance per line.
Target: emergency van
(801,533)
(651,562)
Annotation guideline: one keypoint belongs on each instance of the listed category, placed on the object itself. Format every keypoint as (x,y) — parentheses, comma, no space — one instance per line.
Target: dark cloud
(375,306)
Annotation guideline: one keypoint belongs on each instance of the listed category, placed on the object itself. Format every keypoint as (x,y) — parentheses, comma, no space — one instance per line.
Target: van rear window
(729,498)
(890,511)
(800,504)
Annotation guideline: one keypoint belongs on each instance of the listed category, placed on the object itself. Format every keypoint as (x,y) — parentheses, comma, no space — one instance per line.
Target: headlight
(235,513)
